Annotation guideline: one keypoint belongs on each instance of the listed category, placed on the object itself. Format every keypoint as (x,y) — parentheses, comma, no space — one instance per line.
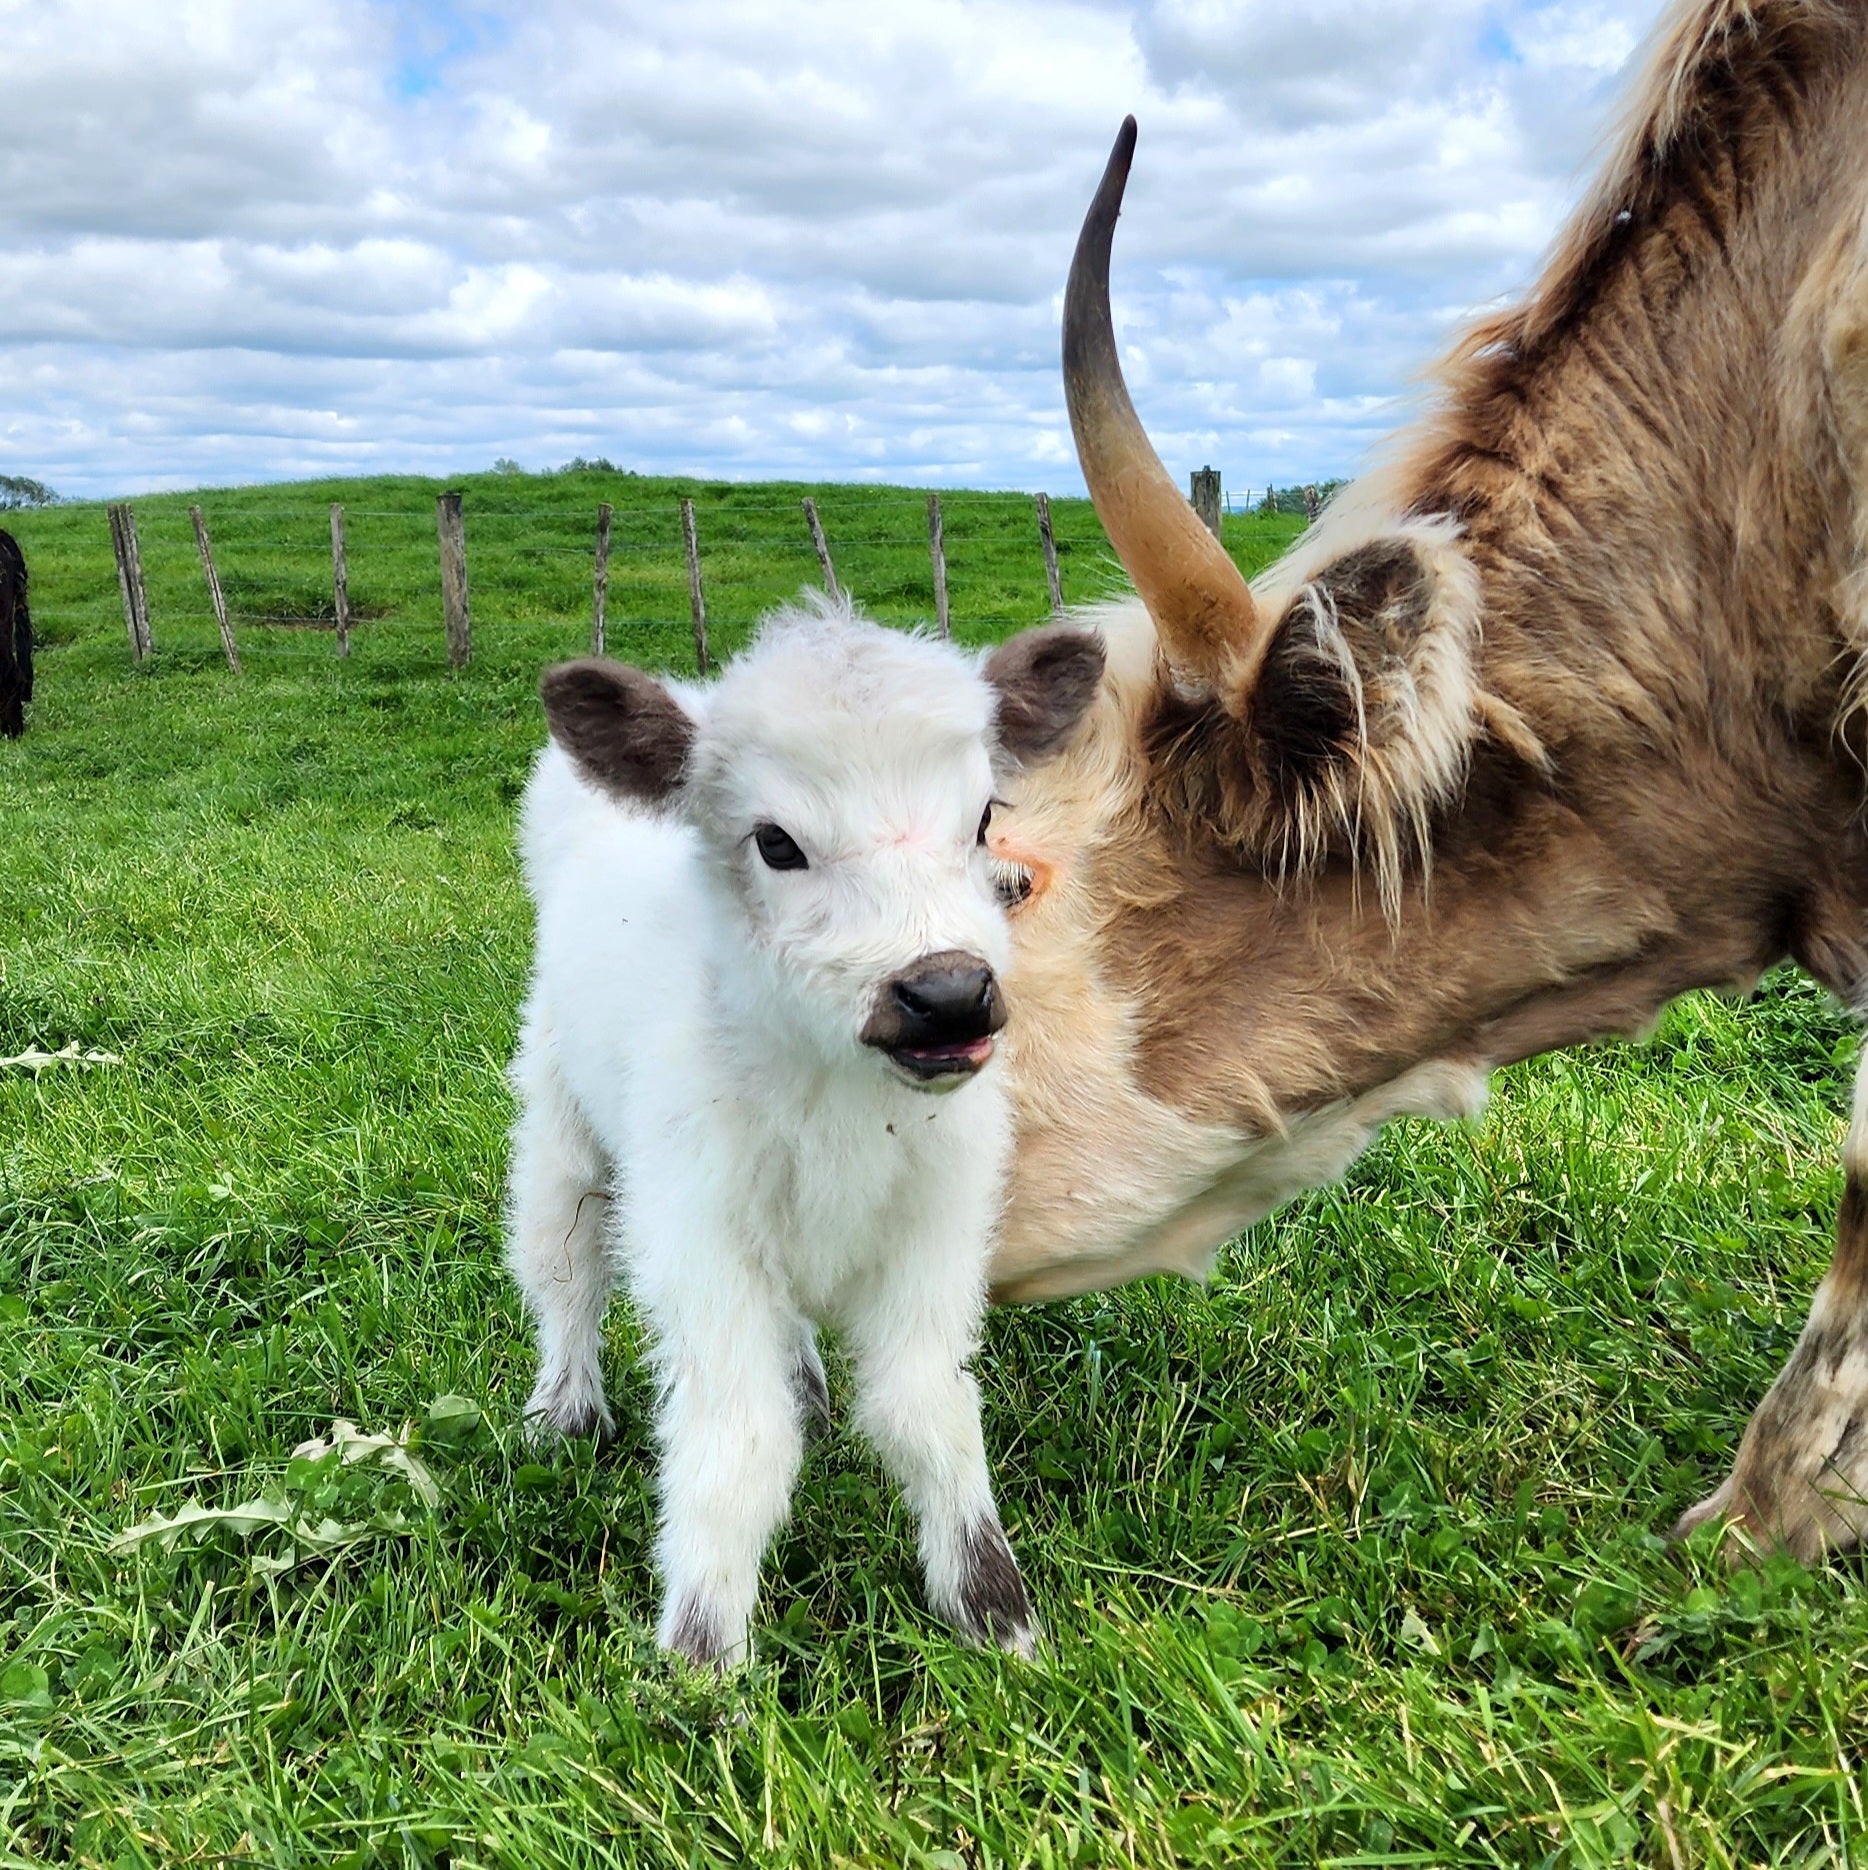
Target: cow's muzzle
(936,1019)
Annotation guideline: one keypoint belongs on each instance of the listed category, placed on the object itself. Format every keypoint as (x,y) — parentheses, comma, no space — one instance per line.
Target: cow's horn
(1202,608)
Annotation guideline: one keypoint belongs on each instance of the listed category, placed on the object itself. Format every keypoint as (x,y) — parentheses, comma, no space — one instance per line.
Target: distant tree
(507,465)
(17,491)
(599,464)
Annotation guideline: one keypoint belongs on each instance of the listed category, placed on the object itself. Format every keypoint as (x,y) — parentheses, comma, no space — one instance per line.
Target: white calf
(767,930)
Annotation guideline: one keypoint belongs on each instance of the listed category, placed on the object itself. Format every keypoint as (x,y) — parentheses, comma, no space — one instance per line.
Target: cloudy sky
(259,239)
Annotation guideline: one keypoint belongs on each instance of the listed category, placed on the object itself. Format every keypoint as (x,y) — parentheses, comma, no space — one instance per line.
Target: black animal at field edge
(15,639)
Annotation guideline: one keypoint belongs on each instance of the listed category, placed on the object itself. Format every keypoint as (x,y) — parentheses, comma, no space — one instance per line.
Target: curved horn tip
(1201,604)
(1109,191)
(1087,323)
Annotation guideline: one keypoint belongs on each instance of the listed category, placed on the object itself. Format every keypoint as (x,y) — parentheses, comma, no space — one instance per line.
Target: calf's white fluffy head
(840,777)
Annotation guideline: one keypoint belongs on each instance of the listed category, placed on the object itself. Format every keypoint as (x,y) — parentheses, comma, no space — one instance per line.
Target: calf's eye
(779,848)
(985,819)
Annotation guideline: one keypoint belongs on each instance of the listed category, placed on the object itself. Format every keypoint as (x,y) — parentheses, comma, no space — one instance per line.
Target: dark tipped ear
(626,732)
(1344,671)
(1046,680)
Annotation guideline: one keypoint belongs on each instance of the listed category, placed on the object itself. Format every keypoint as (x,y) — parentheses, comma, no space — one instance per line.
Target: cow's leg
(729,1425)
(1801,1477)
(918,1403)
(557,1240)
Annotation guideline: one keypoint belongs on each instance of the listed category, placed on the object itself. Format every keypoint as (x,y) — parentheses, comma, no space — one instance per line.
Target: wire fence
(649,566)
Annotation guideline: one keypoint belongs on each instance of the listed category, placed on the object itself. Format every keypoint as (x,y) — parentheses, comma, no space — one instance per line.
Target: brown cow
(1556,716)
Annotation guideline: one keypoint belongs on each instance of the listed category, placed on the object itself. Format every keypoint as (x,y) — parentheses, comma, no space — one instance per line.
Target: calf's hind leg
(810,1386)
(1801,1477)
(557,1240)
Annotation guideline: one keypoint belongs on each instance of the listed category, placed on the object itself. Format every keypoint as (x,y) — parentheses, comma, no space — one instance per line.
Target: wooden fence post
(695,599)
(1048,540)
(600,585)
(130,577)
(137,583)
(214,588)
(1313,505)
(451,528)
(340,580)
(114,515)
(1204,493)
(823,547)
(937,551)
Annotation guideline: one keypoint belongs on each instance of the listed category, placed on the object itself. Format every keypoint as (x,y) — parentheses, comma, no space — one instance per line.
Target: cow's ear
(626,732)
(1046,679)
(1363,718)
(1352,663)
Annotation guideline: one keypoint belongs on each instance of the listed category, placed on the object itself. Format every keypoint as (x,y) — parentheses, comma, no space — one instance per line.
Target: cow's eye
(985,819)
(779,848)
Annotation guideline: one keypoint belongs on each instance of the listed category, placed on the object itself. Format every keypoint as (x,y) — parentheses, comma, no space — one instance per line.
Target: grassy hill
(1350,1557)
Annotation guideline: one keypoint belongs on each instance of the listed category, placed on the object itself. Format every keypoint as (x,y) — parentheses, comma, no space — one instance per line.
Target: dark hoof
(693,1633)
(553,1414)
(995,1610)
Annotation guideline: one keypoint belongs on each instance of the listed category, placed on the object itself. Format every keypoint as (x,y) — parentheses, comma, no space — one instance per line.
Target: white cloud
(254,238)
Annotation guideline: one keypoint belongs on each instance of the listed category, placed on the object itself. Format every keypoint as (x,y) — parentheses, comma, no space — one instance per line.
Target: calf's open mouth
(958,1059)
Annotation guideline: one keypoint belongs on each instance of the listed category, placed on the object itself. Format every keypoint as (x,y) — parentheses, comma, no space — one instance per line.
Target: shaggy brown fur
(15,639)
(1574,682)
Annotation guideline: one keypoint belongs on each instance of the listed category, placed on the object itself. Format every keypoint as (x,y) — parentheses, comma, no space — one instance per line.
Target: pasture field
(1351,1557)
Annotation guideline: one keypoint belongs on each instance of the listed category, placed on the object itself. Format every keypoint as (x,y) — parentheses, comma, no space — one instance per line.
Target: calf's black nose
(936,1019)
(948,999)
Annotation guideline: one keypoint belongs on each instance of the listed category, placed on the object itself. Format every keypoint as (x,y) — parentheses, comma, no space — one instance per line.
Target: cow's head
(841,778)
(1330,715)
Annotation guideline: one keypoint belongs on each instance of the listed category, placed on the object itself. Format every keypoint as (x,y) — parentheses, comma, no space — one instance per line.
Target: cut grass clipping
(1350,1557)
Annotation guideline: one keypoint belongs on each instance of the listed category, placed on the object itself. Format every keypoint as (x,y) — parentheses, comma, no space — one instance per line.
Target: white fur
(700,1117)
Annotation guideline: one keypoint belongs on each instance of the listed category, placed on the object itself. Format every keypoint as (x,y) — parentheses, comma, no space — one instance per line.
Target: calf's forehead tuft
(818,683)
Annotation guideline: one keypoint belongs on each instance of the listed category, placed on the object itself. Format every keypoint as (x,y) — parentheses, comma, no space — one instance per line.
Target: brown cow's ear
(1046,680)
(1360,727)
(1348,640)
(1365,709)
(626,732)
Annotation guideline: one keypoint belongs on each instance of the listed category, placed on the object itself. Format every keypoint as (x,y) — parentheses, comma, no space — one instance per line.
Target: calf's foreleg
(1800,1480)
(729,1427)
(919,1405)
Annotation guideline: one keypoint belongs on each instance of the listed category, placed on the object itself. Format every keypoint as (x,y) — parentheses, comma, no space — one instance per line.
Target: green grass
(1349,1558)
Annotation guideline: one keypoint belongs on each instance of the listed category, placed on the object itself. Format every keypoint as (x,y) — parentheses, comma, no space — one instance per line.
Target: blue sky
(253,241)
(431,39)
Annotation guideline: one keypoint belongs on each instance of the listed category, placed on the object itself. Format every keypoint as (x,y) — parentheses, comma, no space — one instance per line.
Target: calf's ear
(626,732)
(1046,680)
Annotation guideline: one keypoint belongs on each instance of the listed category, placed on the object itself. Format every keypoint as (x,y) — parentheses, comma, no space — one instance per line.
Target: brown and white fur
(1556,716)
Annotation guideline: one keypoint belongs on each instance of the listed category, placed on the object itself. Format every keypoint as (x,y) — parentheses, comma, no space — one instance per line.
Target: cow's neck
(1653,465)
(1643,453)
